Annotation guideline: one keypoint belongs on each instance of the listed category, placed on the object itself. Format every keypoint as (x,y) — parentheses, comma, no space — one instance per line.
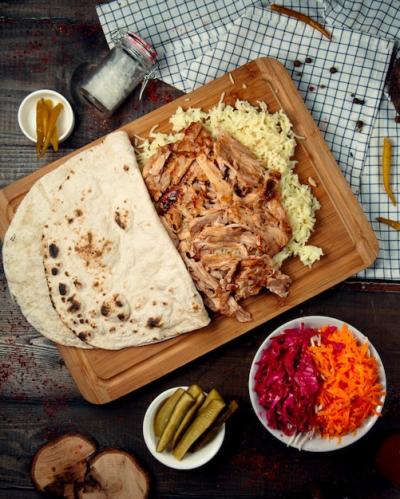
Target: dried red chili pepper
(301,17)
(388,221)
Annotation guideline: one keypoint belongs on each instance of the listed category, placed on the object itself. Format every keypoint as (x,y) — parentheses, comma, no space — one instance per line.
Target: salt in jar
(119,73)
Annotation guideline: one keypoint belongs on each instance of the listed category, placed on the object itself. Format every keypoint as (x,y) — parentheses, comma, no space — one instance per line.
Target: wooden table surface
(49,44)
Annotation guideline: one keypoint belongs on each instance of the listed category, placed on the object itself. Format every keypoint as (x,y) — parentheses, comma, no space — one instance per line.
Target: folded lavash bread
(112,273)
(23,267)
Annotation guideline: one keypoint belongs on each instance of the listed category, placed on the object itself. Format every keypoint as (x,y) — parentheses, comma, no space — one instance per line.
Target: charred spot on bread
(77,283)
(153,322)
(74,306)
(53,250)
(118,221)
(105,310)
(121,218)
(92,250)
(62,288)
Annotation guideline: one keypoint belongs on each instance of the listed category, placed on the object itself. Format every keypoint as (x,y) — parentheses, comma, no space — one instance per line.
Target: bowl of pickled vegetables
(46,117)
(317,383)
(184,427)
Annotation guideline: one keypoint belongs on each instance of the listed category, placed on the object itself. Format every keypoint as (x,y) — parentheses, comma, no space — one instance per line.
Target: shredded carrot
(350,391)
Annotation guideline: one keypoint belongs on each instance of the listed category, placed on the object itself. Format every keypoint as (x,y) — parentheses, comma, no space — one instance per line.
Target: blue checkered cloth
(342,81)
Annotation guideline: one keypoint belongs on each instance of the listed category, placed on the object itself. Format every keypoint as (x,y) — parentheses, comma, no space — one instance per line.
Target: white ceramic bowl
(27,114)
(190,461)
(316,444)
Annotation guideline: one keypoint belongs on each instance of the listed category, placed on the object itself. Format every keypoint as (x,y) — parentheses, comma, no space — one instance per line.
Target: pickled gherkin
(207,414)
(189,419)
(181,408)
(189,416)
(211,433)
(164,412)
(213,395)
(194,390)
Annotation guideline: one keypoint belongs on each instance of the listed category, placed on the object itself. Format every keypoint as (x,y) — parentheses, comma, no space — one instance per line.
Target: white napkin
(198,41)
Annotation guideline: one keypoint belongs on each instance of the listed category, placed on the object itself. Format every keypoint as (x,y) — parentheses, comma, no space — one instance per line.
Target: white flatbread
(23,267)
(112,275)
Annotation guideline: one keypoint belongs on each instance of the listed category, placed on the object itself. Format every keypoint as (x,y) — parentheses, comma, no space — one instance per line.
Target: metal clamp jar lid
(125,66)
(133,43)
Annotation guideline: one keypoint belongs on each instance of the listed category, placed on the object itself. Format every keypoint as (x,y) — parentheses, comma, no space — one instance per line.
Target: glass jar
(119,73)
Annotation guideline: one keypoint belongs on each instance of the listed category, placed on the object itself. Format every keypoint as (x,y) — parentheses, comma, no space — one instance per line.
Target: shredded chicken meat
(224,214)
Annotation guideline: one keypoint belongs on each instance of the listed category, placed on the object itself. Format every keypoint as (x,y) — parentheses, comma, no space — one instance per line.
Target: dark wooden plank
(376,286)
(251,463)
(43,9)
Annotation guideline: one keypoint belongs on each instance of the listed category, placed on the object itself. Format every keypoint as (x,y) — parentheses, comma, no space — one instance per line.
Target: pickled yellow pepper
(41,123)
(387,166)
(55,112)
(46,125)
(54,137)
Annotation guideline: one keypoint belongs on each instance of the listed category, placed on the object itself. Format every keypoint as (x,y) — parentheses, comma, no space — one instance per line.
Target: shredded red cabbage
(287,381)
(337,347)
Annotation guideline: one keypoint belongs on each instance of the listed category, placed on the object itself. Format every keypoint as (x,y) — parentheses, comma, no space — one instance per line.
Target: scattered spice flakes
(322,86)
(356,100)
(152,91)
(359,125)
(52,407)
(297,63)
(311,88)
(308,60)
(23,371)
(333,70)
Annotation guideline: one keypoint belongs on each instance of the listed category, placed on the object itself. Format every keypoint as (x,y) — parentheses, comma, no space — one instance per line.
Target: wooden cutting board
(342,231)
